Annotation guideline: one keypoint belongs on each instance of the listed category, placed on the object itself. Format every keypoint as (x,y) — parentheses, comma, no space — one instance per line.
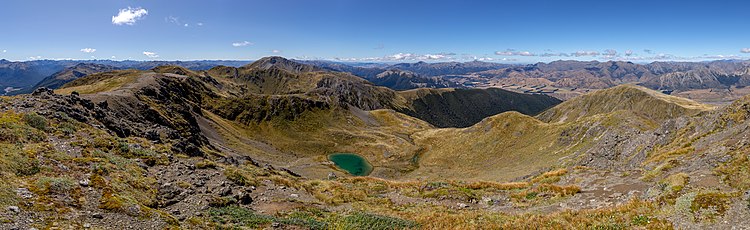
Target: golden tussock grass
(550,177)
(634,214)
(564,190)
(496,185)
(389,183)
(558,172)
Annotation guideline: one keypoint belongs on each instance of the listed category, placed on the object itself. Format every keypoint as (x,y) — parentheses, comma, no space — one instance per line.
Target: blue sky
(382,31)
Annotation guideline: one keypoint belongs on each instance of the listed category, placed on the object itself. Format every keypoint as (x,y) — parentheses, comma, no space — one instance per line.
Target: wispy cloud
(5,51)
(150,54)
(447,53)
(173,20)
(176,21)
(610,53)
(199,24)
(275,51)
(628,55)
(35,58)
(129,16)
(554,55)
(88,50)
(745,50)
(242,43)
(672,57)
(379,47)
(719,56)
(586,53)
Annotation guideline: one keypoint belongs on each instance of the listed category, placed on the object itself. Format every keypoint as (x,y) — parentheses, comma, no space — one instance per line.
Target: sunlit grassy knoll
(100,82)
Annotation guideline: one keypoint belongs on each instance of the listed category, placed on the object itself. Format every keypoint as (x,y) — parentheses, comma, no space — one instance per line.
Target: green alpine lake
(352,163)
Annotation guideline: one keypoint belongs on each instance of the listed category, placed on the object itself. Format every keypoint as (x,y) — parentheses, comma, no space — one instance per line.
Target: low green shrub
(54,185)
(36,121)
(362,220)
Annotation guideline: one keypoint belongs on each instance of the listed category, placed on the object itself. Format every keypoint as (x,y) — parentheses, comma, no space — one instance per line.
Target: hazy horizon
(375,62)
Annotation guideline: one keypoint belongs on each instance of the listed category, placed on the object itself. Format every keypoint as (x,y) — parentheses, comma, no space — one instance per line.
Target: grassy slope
(638,99)
(100,82)
(512,145)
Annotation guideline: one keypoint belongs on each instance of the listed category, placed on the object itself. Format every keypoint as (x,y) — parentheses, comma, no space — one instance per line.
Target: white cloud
(129,16)
(35,57)
(745,50)
(88,50)
(404,57)
(433,56)
(275,51)
(150,54)
(242,43)
(199,24)
(5,51)
(512,52)
(487,59)
(113,57)
(401,56)
(628,53)
(186,25)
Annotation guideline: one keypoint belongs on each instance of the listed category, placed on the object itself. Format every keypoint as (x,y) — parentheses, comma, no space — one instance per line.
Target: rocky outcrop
(358,93)
(164,111)
(253,109)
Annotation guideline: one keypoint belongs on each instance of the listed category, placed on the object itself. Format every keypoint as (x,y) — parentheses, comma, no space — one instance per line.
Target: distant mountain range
(69,74)
(21,77)
(17,76)
(666,76)
(392,76)
(657,75)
